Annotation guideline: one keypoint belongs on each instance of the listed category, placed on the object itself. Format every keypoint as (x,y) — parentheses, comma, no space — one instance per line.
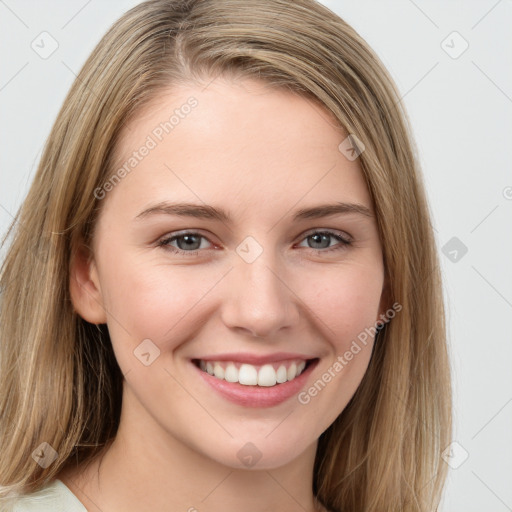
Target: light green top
(53,497)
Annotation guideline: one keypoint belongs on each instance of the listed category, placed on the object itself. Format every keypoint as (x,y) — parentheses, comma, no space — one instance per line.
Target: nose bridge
(258,299)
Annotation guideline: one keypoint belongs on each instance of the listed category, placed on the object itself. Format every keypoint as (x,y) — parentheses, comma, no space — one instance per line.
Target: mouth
(266,375)
(259,384)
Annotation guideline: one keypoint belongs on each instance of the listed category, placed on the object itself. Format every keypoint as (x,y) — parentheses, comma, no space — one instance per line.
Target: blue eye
(189,243)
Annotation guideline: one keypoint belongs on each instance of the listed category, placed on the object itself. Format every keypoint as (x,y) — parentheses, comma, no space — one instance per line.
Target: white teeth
(292,371)
(267,376)
(250,375)
(218,371)
(231,374)
(281,375)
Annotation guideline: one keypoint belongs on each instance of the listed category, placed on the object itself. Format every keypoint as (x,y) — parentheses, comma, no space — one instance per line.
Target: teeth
(281,375)
(218,371)
(292,371)
(267,375)
(248,375)
(231,374)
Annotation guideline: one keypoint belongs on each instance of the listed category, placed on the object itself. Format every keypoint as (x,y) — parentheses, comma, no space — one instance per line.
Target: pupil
(189,239)
(317,236)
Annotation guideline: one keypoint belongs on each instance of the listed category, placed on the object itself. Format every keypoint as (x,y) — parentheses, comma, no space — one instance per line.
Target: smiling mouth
(266,375)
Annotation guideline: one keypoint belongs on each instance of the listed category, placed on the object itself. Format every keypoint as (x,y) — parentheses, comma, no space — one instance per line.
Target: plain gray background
(460,103)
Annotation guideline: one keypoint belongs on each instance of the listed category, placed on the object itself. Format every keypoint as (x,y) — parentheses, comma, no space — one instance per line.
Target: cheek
(347,303)
(155,302)
(347,300)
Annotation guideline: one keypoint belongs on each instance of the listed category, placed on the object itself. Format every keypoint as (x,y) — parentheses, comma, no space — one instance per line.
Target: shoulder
(53,497)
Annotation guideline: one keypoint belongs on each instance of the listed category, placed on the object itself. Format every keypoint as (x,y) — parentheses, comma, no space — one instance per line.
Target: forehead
(235,141)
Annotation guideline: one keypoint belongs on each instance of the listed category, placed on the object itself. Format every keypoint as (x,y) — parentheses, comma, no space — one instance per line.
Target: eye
(321,239)
(188,243)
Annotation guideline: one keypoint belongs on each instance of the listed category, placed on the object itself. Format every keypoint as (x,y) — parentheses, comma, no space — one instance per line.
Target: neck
(146,468)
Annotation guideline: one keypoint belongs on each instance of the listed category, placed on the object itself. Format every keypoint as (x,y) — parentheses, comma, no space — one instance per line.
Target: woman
(222,290)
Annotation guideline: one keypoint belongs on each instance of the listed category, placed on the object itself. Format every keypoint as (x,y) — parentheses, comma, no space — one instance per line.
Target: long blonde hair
(59,379)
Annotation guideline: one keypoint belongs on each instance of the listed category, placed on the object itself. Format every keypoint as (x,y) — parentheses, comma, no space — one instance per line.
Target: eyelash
(344,243)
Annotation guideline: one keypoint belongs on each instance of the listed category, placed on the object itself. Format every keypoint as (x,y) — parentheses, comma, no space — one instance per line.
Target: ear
(84,287)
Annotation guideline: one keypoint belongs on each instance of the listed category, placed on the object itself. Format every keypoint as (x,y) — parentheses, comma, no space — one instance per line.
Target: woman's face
(249,278)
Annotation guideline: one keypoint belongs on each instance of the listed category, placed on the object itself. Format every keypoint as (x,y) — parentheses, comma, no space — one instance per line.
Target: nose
(259,298)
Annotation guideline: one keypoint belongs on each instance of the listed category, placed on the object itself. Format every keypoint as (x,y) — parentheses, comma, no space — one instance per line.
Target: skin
(261,154)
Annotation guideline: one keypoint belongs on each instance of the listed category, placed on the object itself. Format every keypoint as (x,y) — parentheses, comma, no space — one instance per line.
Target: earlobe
(85,288)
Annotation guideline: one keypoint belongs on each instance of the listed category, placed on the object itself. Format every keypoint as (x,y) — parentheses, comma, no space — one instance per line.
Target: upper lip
(243,357)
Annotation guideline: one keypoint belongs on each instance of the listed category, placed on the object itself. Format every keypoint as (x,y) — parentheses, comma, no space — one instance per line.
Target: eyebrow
(213,213)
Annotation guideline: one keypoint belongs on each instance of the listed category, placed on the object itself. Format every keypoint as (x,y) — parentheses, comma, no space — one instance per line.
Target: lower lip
(257,396)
